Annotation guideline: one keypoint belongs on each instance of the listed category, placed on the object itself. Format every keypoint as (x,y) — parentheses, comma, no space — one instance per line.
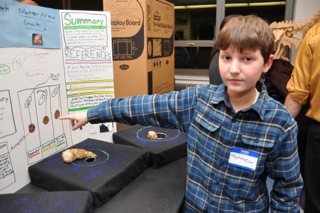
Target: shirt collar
(259,107)
(219,93)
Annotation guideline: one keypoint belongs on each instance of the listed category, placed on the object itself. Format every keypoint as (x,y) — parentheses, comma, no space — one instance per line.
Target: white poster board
(41,79)
(87,57)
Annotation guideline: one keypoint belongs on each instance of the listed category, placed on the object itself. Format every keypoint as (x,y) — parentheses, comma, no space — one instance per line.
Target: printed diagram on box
(127,28)
(123,49)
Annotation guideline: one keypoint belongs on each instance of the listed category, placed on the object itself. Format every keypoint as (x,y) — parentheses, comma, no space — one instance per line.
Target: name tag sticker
(243,158)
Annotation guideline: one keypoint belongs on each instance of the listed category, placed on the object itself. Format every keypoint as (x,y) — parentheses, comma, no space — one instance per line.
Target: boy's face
(241,71)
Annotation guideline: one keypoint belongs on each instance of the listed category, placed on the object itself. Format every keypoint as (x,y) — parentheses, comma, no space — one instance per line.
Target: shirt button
(221,164)
(217,183)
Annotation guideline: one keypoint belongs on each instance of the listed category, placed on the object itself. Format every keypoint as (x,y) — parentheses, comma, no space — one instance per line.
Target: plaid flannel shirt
(213,130)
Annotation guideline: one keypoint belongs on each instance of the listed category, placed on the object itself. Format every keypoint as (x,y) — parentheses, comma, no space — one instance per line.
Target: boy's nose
(235,68)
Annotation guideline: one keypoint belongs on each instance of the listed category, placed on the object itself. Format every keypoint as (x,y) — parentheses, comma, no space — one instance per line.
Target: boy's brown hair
(247,33)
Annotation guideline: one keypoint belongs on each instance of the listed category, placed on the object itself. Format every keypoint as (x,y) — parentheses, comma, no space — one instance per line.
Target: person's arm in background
(293,106)
(299,84)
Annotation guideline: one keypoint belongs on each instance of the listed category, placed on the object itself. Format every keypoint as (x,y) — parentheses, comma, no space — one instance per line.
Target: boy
(237,134)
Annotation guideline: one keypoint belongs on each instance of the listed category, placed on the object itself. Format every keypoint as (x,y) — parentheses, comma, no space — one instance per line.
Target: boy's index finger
(64,117)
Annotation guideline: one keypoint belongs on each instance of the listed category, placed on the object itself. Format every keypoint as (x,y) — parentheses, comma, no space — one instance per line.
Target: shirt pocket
(259,143)
(207,123)
(202,148)
(205,132)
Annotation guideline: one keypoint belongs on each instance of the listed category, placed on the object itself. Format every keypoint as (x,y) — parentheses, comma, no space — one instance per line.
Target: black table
(154,190)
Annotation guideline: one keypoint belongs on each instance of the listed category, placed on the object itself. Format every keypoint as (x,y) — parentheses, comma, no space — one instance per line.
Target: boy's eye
(226,57)
(248,59)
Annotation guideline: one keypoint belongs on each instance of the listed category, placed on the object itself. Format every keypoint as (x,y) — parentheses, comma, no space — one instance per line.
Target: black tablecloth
(115,166)
(47,202)
(153,191)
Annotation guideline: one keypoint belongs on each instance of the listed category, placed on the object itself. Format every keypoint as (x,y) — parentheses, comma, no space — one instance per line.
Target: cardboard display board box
(143,46)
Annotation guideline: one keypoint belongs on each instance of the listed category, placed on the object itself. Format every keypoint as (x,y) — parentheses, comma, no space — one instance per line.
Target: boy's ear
(267,65)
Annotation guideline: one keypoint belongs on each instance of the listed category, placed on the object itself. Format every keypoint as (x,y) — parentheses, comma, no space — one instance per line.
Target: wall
(303,9)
